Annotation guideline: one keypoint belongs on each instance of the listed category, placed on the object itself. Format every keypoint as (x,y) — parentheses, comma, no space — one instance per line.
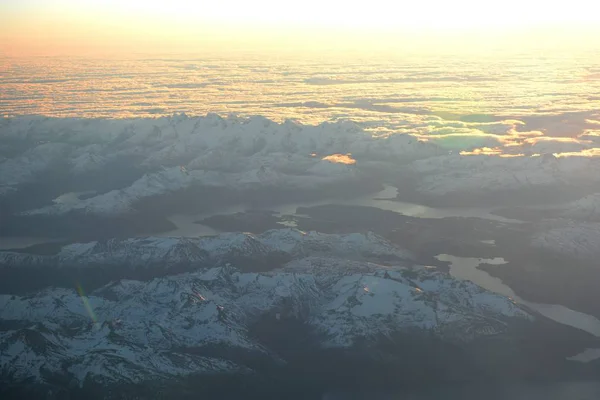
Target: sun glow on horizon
(385,14)
(139,24)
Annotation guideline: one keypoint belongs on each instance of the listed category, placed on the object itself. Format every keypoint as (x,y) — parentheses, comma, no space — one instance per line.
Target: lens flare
(86,303)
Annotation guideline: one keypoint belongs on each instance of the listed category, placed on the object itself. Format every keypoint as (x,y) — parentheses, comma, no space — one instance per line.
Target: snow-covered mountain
(577,240)
(130,331)
(482,174)
(166,252)
(25,167)
(137,160)
(177,152)
(169,180)
(586,208)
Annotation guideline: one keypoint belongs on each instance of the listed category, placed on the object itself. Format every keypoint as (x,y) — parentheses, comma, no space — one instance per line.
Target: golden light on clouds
(488,151)
(593,152)
(542,139)
(340,159)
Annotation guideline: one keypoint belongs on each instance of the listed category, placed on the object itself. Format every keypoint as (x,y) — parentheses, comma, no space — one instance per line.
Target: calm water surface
(466,268)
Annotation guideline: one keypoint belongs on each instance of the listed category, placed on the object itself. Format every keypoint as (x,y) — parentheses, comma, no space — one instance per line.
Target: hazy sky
(71,26)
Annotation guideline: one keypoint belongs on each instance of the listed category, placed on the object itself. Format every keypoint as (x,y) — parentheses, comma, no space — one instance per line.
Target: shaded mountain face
(89,179)
(262,310)
(97,263)
(328,310)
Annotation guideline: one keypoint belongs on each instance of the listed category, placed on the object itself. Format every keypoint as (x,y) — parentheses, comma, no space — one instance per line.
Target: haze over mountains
(376,225)
(106,184)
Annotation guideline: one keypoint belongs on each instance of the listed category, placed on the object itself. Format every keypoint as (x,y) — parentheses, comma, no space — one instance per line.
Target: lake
(465,268)
(385,200)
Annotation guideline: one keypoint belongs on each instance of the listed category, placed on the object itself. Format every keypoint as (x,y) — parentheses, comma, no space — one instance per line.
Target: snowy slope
(143,330)
(25,167)
(181,140)
(574,239)
(174,153)
(586,208)
(166,155)
(479,174)
(169,251)
(172,179)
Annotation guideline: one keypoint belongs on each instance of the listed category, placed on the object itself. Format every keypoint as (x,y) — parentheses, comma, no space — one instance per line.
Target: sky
(80,26)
